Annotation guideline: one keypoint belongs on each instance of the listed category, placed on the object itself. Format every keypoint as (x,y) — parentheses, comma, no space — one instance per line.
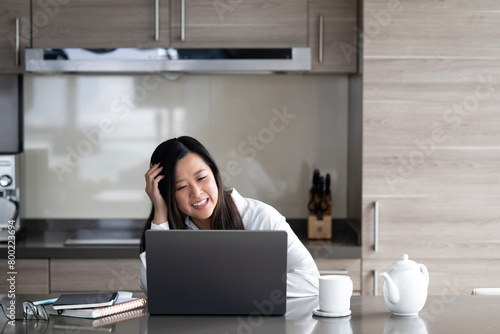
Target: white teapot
(405,287)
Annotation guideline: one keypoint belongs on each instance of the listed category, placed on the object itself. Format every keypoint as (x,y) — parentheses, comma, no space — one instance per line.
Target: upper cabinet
(101,24)
(193,24)
(238,23)
(333,36)
(15,27)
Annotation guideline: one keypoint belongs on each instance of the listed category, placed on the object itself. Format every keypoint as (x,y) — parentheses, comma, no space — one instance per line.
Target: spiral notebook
(99,312)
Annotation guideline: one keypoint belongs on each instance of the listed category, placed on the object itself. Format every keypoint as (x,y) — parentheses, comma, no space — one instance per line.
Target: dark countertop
(45,238)
(370,315)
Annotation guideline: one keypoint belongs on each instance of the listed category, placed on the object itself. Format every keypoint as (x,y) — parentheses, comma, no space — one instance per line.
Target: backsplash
(88,138)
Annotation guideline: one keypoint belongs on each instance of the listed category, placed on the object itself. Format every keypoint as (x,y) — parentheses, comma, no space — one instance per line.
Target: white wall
(88,138)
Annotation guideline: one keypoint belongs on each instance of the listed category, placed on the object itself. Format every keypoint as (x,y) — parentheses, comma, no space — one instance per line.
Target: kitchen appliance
(10,214)
(229,61)
(11,143)
(11,116)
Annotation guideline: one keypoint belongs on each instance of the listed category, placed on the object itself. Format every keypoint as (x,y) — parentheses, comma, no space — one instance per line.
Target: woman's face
(196,191)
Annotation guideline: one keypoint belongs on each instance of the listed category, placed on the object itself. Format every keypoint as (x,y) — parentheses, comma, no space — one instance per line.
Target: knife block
(319,228)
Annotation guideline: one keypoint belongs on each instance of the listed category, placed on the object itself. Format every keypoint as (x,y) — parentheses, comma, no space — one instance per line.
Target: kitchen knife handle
(183,20)
(375,226)
(320,48)
(157,20)
(375,282)
(17,51)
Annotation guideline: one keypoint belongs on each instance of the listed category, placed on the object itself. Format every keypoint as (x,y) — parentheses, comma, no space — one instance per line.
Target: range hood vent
(131,60)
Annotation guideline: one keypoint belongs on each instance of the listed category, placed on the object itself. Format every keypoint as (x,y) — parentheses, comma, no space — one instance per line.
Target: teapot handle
(424,270)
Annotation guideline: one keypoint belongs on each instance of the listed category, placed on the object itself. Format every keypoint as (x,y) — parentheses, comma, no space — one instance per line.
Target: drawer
(32,276)
(94,275)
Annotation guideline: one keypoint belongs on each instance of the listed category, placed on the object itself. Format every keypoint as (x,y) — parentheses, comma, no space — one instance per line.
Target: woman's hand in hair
(153,177)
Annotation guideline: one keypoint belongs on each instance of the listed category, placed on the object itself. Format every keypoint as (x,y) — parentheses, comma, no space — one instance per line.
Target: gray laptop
(216,272)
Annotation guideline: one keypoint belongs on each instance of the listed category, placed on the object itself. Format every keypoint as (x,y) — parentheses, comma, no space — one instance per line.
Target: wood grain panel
(425,169)
(99,24)
(430,139)
(340,36)
(261,23)
(32,276)
(446,277)
(9,11)
(432,228)
(352,266)
(82,275)
(432,28)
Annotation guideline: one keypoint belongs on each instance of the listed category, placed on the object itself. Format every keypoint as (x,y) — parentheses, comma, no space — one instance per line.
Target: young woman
(186,191)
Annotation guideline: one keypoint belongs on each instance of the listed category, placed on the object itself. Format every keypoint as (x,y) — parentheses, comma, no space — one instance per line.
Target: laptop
(223,272)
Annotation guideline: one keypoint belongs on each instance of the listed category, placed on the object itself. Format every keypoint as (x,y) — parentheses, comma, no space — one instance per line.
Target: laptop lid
(216,272)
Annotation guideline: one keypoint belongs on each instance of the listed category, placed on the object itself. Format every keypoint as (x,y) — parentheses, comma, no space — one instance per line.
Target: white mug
(335,293)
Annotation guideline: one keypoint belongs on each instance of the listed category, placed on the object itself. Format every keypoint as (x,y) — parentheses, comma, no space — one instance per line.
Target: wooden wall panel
(432,28)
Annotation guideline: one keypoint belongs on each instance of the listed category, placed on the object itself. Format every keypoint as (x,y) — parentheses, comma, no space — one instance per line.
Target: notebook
(99,312)
(216,272)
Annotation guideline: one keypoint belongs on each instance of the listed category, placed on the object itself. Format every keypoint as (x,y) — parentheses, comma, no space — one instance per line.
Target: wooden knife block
(319,229)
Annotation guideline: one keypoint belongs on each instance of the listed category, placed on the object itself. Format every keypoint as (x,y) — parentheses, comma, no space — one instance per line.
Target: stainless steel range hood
(249,61)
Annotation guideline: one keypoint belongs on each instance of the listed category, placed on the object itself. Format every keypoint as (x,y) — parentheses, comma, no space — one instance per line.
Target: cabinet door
(31,276)
(446,277)
(332,36)
(100,24)
(239,24)
(15,34)
(71,275)
(349,267)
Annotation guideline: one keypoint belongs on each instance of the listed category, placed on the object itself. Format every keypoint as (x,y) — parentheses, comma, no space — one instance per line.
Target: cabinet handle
(375,282)
(157,20)
(17,51)
(183,20)
(333,272)
(375,227)
(320,48)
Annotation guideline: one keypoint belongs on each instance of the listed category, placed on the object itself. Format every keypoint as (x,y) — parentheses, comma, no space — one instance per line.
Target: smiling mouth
(200,203)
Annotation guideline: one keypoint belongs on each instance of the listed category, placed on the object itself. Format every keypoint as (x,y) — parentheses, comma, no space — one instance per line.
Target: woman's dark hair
(167,154)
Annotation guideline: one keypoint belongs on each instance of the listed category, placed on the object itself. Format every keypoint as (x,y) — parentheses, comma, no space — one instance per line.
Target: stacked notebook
(96,305)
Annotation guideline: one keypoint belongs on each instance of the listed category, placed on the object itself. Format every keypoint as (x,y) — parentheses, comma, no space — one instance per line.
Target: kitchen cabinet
(15,34)
(30,276)
(101,24)
(429,147)
(150,23)
(446,276)
(87,275)
(333,36)
(239,24)
(349,267)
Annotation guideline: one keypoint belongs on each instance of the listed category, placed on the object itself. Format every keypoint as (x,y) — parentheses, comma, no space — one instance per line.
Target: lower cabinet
(446,277)
(350,267)
(69,275)
(27,276)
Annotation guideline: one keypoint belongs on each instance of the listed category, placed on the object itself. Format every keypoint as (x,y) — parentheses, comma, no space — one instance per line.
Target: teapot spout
(391,289)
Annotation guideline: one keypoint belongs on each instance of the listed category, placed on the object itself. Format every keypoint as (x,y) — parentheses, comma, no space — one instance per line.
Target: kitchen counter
(45,239)
(441,314)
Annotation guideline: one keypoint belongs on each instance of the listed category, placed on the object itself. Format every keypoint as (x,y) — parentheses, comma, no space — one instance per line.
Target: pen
(45,302)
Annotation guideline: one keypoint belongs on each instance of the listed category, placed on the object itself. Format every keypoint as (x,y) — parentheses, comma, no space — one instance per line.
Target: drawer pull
(333,272)
(320,48)
(375,282)
(375,227)
(157,20)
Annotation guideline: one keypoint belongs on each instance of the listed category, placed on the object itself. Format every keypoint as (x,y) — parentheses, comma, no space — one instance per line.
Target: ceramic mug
(335,293)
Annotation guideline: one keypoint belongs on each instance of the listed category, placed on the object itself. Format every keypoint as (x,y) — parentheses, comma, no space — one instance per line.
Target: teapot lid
(405,264)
